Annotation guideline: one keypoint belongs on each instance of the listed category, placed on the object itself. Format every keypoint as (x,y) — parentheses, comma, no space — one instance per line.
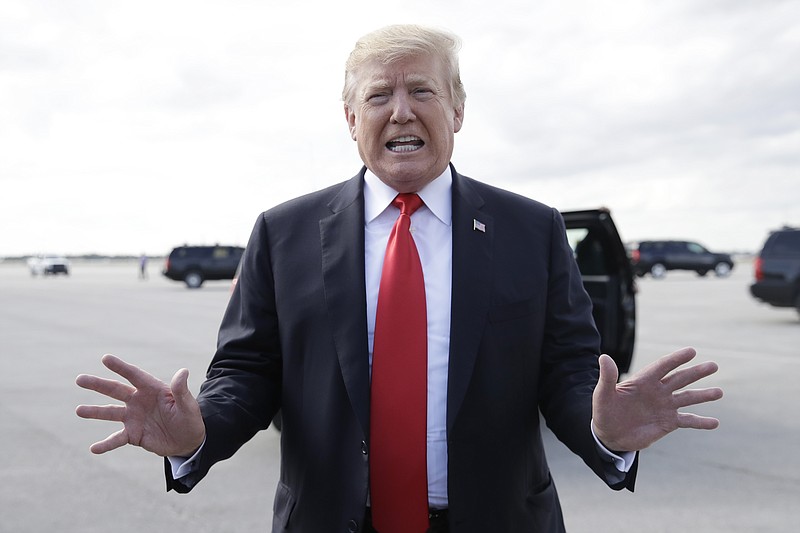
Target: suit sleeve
(242,390)
(570,368)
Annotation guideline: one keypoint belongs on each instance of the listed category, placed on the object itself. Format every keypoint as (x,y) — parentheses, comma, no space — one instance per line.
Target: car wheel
(702,273)
(193,279)
(797,303)
(722,270)
(658,270)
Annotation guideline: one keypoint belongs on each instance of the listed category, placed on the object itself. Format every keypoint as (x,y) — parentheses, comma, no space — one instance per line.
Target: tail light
(758,267)
(635,256)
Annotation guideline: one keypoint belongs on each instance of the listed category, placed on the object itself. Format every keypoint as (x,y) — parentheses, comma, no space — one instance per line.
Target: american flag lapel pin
(478,225)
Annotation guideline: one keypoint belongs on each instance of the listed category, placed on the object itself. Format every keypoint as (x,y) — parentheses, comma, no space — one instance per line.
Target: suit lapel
(342,240)
(472,257)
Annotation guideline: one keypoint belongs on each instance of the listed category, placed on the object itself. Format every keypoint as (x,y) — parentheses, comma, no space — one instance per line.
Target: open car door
(608,278)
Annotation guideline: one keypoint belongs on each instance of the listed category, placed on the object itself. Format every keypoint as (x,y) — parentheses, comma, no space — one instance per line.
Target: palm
(637,412)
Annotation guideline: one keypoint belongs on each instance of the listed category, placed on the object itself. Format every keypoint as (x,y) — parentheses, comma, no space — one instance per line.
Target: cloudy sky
(129,127)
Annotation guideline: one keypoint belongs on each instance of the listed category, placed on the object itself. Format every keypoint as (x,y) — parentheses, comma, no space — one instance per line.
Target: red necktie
(398,410)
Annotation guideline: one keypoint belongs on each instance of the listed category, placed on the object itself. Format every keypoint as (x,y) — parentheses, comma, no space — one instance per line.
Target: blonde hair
(393,43)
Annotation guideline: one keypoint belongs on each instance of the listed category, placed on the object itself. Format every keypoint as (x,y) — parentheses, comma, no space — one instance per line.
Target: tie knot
(407,203)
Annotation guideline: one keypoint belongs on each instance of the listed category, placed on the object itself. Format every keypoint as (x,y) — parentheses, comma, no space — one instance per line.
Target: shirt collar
(436,195)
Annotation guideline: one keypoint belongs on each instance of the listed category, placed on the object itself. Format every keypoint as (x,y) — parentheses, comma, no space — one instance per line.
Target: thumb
(180,388)
(609,374)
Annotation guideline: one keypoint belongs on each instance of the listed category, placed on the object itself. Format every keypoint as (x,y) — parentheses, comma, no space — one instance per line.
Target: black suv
(195,264)
(656,257)
(777,269)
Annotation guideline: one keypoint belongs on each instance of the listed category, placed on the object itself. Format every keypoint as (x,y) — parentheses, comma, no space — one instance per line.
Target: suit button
(352,526)
(363,447)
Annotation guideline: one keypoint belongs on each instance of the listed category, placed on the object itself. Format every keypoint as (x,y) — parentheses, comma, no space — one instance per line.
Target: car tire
(722,270)
(658,270)
(702,273)
(193,279)
(797,303)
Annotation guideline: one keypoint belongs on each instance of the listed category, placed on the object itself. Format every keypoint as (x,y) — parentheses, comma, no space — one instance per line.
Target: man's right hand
(162,418)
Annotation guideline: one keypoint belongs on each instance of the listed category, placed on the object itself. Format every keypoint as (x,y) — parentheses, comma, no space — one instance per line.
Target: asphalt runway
(743,477)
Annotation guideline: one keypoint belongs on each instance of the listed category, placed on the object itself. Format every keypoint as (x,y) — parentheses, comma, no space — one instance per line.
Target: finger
(112,442)
(109,387)
(696,396)
(138,377)
(692,421)
(667,363)
(112,413)
(687,376)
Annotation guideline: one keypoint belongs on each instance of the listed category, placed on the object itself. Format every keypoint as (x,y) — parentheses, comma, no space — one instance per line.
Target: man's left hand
(635,413)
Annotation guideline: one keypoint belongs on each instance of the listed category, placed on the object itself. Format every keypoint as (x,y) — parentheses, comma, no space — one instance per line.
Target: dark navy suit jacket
(294,337)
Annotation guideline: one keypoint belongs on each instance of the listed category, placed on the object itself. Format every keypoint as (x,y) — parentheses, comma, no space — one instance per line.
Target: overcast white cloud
(135,126)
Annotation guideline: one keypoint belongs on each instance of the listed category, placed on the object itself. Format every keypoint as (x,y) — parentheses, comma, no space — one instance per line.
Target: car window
(783,244)
(590,254)
(696,248)
(221,252)
(576,235)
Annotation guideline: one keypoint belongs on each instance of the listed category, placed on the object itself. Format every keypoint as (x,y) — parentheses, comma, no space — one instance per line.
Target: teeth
(404,148)
(405,143)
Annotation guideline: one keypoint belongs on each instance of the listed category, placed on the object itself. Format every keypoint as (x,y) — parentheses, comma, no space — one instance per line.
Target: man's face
(403,120)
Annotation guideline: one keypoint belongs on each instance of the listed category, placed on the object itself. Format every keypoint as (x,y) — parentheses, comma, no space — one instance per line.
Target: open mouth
(407,143)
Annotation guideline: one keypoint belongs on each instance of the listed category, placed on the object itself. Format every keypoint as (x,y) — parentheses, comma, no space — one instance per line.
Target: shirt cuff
(622,460)
(183,466)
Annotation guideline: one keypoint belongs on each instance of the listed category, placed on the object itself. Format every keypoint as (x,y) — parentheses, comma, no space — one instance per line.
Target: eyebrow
(411,79)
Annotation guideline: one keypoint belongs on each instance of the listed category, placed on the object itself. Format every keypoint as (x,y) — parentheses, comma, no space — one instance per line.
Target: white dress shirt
(431,230)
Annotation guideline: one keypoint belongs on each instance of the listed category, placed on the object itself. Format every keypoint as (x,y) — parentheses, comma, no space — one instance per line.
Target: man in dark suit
(509,335)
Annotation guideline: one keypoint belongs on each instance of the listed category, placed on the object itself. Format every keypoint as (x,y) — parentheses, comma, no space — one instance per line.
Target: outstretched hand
(635,413)
(161,418)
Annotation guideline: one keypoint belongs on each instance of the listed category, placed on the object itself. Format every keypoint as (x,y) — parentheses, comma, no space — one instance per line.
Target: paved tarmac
(743,477)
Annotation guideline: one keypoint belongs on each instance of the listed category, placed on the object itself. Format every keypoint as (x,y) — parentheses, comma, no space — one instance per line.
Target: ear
(351,121)
(458,118)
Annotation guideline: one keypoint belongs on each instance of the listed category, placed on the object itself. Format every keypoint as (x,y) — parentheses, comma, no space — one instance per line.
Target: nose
(402,109)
